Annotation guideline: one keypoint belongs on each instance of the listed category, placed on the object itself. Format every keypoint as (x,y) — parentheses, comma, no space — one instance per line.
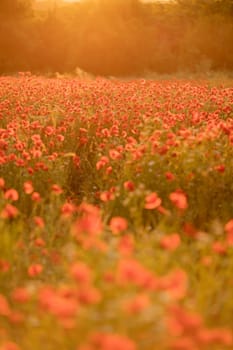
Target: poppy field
(116,214)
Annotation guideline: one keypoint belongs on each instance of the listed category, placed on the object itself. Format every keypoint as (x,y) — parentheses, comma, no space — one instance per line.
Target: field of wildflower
(116,214)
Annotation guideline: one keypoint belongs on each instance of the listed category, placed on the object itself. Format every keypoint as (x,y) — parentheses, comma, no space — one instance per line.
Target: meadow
(116,214)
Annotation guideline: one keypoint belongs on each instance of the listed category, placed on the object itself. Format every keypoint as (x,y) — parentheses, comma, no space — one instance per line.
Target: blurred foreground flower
(118,224)
(179,199)
(152,201)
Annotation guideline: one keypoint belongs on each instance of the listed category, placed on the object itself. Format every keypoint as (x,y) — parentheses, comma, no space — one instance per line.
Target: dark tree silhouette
(14,8)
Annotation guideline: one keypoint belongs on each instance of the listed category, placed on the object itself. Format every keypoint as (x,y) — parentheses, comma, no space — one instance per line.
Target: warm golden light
(115,37)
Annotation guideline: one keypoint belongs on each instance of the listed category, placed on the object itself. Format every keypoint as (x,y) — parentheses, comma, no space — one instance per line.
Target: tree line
(117,37)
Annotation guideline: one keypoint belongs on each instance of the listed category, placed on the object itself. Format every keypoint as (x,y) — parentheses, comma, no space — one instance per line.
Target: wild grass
(115,214)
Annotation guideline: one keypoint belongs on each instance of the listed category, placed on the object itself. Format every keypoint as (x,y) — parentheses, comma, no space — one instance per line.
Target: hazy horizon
(84,0)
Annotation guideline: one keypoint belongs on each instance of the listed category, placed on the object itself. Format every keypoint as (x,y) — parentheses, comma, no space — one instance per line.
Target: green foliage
(86,260)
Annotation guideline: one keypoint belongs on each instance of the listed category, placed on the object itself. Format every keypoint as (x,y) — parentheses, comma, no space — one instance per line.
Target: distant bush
(117,37)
